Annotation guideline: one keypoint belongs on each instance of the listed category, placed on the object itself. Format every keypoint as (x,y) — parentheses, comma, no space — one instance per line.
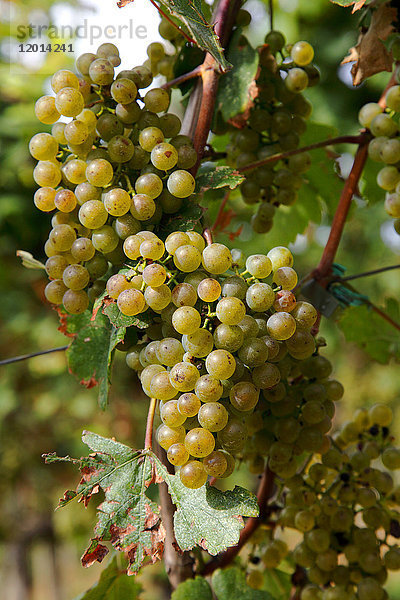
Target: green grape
(57,131)
(249,326)
(193,474)
(390,151)
(209,290)
(184,294)
(76,132)
(43,146)
(156,100)
(170,125)
(47,174)
(154,275)
(233,436)
(170,352)
(123,90)
(367,114)
(101,71)
(170,414)
(86,191)
(99,172)
(253,352)
(149,184)
(199,442)
(76,277)
(187,258)
(75,171)
(230,311)
(152,249)
(275,40)
(181,183)
(393,98)
(75,301)
(199,344)
(266,376)
(234,286)
(69,102)
(161,388)
(142,207)
(208,389)
(62,237)
(216,258)
(302,53)
(150,137)
(46,110)
(175,240)
(391,458)
(131,302)
(260,297)
(177,454)
(259,266)
(388,178)
(108,126)
(117,202)
(244,396)
(281,326)
(169,203)
(304,314)
(296,80)
(149,371)
(189,405)
(213,416)
(228,337)
(104,239)
(55,290)
(285,277)
(301,344)
(392,205)
(167,436)
(120,149)
(220,364)
(158,298)
(216,463)
(186,320)
(380,414)
(187,157)
(183,376)
(164,156)
(392,559)
(128,113)
(93,214)
(55,266)
(382,124)
(126,226)
(97,266)
(65,201)
(280,257)
(117,284)
(44,199)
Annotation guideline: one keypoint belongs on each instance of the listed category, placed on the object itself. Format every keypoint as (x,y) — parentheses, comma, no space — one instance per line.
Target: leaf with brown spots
(127,517)
(370,56)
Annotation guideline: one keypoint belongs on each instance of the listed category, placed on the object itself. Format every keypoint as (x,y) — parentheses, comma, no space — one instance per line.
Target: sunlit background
(42,408)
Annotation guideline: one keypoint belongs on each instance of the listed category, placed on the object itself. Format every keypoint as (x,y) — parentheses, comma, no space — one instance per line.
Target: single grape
(220,364)
(183,376)
(181,183)
(217,259)
(55,290)
(199,442)
(47,174)
(208,388)
(167,436)
(260,297)
(281,326)
(104,239)
(199,344)
(156,100)
(99,172)
(187,258)
(131,302)
(75,301)
(193,474)
(186,320)
(44,199)
(158,298)
(189,405)
(213,416)
(177,454)
(184,294)
(46,110)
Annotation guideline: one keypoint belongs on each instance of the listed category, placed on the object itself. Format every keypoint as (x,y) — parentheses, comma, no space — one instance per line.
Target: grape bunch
(225,329)
(118,166)
(275,123)
(385,147)
(344,506)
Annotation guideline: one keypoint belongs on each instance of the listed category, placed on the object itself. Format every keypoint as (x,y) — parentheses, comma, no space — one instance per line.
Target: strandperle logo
(85,31)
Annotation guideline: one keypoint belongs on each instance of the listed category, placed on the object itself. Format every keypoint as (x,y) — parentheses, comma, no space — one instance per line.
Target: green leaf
(278,583)
(193,589)
(231,583)
(346,3)
(91,353)
(233,90)
(117,319)
(207,517)
(212,177)
(127,518)
(28,261)
(113,584)
(191,14)
(186,219)
(291,220)
(364,327)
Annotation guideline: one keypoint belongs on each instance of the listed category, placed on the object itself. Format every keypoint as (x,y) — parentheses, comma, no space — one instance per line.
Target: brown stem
(384,315)
(148,442)
(341,213)
(182,78)
(185,35)
(178,566)
(264,493)
(208,236)
(343,139)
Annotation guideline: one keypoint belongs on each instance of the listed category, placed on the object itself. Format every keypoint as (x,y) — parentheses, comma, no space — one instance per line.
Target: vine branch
(265,491)
(8,361)
(148,442)
(343,139)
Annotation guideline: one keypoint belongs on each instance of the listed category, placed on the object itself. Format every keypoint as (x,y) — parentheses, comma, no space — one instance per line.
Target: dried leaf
(28,261)
(370,55)
(127,518)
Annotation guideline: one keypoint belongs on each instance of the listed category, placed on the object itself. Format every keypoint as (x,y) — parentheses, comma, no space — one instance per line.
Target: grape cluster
(225,329)
(344,506)
(385,147)
(275,123)
(117,167)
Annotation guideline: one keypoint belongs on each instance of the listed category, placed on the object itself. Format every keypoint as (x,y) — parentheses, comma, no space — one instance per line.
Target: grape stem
(265,492)
(185,35)
(343,139)
(182,78)
(15,359)
(148,442)
(271,14)
(208,236)
(179,566)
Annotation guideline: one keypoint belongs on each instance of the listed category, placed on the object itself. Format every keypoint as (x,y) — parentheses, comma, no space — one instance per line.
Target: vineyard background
(42,408)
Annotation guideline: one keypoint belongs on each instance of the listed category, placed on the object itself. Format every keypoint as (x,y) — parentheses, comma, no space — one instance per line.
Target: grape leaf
(193,589)
(184,220)
(28,261)
(190,13)
(212,177)
(231,583)
(91,353)
(207,517)
(113,584)
(233,90)
(372,333)
(127,518)
(358,4)
(111,310)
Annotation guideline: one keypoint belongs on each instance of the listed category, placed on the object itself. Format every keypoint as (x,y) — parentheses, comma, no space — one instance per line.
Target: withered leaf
(370,55)
(127,517)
